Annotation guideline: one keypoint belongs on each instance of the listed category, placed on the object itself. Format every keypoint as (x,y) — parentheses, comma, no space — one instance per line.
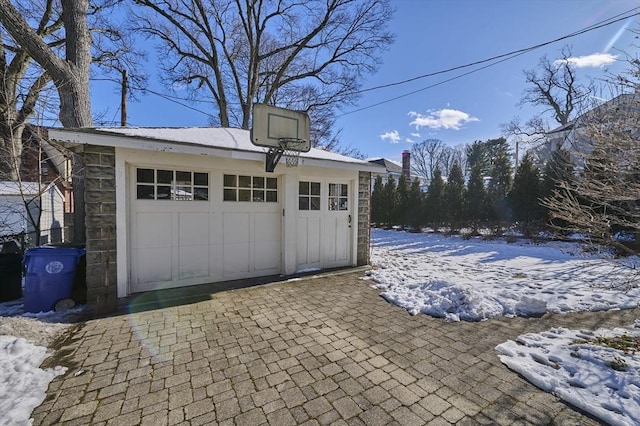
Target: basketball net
(291,149)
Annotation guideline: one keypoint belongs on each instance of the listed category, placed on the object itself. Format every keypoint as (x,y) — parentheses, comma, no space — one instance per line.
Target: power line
(169,98)
(598,25)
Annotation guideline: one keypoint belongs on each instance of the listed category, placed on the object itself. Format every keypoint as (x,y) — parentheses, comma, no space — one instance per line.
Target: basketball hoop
(283,131)
(291,149)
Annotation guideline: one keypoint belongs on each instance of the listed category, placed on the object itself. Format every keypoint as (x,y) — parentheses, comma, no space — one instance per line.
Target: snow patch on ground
(23,384)
(565,363)
(24,342)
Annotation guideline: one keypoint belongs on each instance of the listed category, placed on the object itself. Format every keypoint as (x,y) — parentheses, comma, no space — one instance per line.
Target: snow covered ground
(24,343)
(474,280)
(599,380)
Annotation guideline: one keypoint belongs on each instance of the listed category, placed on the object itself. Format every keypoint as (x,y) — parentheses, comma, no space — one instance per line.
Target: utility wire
(598,25)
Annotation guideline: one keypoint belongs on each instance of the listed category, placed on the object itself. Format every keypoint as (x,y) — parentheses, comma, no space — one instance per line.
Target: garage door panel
(329,238)
(236,259)
(267,256)
(308,242)
(193,229)
(235,228)
(154,265)
(267,227)
(194,262)
(153,230)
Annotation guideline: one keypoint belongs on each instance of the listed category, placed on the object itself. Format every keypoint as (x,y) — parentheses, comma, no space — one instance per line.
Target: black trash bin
(10,276)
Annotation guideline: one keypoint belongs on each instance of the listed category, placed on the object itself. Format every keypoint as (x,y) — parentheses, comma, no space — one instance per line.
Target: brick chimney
(406,164)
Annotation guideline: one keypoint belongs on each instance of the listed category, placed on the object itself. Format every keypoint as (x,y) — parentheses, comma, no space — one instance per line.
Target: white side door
(309,225)
(338,222)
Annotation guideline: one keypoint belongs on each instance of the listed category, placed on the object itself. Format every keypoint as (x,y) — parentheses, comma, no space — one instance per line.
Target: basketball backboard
(274,125)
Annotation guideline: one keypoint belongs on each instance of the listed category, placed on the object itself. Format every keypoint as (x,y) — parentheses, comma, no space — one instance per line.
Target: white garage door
(191,227)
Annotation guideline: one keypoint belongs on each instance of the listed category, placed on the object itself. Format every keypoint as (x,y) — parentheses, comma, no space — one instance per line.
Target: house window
(309,196)
(338,196)
(177,185)
(258,189)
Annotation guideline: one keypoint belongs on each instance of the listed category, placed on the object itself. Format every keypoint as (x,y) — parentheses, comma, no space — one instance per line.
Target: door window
(309,196)
(338,196)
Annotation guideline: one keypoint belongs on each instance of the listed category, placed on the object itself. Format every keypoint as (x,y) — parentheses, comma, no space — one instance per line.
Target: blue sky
(433,35)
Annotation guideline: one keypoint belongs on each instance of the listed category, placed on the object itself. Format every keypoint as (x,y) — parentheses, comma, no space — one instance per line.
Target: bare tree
(70,74)
(426,156)
(21,82)
(601,199)
(554,86)
(307,55)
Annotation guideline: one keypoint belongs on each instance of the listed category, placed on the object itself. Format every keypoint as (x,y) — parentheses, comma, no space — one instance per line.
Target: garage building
(174,207)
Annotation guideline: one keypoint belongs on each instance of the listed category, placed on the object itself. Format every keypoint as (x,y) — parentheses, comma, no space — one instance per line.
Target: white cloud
(595,60)
(441,119)
(415,135)
(393,137)
(409,140)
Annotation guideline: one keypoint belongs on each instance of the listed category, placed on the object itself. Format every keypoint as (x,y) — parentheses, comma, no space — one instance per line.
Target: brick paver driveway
(317,351)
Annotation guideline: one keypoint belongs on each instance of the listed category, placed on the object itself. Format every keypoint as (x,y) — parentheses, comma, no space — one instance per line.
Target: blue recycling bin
(49,276)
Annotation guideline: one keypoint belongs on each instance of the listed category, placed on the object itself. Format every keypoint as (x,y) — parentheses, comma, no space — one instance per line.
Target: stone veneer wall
(364,231)
(100,223)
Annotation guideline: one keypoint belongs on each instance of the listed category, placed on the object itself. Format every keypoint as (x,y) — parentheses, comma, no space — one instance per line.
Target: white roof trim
(217,142)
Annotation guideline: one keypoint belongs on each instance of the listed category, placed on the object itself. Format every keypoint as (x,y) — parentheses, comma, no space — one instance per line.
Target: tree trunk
(70,76)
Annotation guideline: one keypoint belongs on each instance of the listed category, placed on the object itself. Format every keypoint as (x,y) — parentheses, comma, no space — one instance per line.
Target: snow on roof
(211,137)
(390,165)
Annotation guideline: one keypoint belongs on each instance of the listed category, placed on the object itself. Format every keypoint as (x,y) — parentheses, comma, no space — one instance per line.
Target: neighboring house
(43,161)
(175,207)
(29,208)
(573,135)
(395,170)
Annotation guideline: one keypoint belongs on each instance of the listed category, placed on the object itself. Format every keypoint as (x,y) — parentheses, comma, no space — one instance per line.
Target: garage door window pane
(201,194)
(183,193)
(244,181)
(315,188)
(229,195)
(201,179)
(145,192)
(303,188)
(272,196)
(303,203)
(272,183)
(183,178)
(244,195)
(315,203)
(258,195)
(144,175)
(165,176)
(229,181)
(164,192)
(258,182)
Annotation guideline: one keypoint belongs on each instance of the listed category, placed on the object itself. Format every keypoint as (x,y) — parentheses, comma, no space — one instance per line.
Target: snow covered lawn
(473,280)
